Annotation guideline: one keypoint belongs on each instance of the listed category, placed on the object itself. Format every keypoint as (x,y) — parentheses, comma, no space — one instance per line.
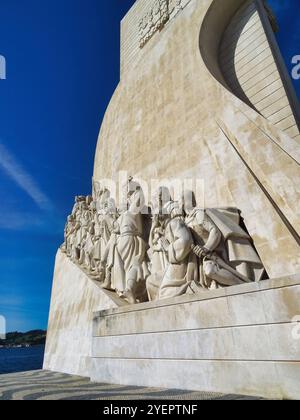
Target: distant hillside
(32,338)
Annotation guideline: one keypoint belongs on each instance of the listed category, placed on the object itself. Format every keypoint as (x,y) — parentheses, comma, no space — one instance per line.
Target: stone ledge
(272,342)
(279,283)
(268,379)
(238,340)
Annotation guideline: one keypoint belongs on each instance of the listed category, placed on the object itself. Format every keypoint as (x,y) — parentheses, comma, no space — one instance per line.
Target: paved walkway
(43,385)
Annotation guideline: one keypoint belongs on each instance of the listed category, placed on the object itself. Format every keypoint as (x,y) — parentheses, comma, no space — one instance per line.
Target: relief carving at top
(174,7)
(156,18)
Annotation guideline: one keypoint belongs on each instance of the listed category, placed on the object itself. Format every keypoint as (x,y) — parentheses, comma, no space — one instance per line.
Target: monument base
(239,340)
(75,298)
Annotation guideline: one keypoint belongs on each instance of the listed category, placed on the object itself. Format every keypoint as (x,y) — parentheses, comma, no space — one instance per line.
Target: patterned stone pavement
(43,385)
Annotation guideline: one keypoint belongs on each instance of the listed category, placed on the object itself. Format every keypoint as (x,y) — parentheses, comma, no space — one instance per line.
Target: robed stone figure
(218,233)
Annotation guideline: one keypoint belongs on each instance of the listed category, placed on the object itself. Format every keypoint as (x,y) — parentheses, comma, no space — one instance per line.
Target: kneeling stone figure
(227,256)
(182,268)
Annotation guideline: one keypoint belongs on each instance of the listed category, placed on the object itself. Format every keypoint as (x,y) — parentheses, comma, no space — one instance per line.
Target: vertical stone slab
(74,300)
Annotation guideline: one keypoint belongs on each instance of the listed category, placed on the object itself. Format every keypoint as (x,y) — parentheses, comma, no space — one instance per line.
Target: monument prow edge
(75,298)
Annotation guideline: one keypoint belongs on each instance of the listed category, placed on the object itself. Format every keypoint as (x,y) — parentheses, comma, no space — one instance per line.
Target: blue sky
(288,37)
(62,68)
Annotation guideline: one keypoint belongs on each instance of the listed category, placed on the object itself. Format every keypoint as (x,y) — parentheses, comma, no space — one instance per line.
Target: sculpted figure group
(163,251)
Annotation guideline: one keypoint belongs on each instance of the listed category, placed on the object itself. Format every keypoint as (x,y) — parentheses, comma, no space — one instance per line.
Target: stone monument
(182,269)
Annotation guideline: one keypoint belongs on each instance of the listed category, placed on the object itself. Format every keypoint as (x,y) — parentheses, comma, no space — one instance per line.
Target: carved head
(172,209)
(110,206)
(188,202)
(81,198)
(132,187)
(160,199)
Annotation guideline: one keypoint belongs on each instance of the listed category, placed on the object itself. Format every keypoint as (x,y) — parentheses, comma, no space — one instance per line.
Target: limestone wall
(176,115)
(131,52)
(74,300)
(237,340)
(173,115)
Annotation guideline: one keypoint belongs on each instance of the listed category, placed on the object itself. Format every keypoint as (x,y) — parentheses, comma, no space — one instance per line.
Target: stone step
(239,340)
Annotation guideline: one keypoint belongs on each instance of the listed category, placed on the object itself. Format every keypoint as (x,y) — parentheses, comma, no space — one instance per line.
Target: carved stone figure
(225,249)
(106,268)
(67,246)
(87,246)
(186,249)
(96,190)
(182,268)
(158,258)
(83,218)
(157,254)
(79,203)
(127,250)
(104,220)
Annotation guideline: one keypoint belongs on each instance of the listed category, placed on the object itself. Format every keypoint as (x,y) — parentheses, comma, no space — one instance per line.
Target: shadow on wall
(213,27)
(224,29)
(238,46)
(235,45)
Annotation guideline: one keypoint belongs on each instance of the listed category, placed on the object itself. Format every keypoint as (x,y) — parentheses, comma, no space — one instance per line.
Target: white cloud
(10,300)
(14,220)
(24,180)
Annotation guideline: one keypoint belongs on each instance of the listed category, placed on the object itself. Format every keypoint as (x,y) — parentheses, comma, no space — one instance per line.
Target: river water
(21,359)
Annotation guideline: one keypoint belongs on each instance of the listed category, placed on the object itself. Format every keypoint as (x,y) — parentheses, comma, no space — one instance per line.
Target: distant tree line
(32,338)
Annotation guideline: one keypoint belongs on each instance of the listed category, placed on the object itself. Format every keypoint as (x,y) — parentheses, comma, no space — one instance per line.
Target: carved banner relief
(157,17)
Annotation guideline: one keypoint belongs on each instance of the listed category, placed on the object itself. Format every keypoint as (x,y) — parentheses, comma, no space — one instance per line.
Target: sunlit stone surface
(203,95)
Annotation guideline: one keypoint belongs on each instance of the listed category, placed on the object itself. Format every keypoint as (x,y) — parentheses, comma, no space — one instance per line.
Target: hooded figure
(182,268)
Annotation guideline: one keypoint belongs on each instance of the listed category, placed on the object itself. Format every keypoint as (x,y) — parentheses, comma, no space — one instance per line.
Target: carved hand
(201,252)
